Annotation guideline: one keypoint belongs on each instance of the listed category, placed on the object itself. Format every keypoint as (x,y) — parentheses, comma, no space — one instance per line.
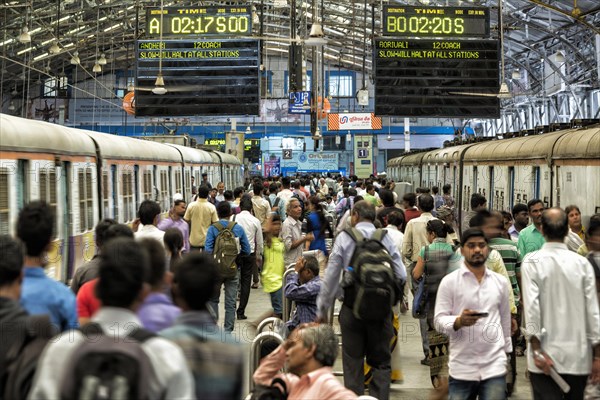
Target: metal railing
(257,343)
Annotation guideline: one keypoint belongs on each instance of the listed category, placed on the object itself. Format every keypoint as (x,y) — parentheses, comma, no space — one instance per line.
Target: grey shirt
(341,254)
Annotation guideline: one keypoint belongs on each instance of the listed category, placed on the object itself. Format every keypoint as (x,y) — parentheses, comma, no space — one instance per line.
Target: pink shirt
(318,384)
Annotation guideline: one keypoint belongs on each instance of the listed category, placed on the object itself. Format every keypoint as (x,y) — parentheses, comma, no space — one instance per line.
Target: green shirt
(273,266)
(512,261)
(530,239)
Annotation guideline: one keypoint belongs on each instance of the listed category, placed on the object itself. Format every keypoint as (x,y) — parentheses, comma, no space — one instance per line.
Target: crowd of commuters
(152,290)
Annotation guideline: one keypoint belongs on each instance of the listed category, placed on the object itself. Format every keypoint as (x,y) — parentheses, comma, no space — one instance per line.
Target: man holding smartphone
(472,309)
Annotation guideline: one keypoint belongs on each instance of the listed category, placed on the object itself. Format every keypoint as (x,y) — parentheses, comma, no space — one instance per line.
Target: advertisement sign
(311,161)
(353,121)
(297,100)
(272,167)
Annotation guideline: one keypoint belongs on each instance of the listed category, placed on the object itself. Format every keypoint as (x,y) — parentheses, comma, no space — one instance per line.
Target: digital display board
(424,21)
(436,78)
(202,77)
(196,21)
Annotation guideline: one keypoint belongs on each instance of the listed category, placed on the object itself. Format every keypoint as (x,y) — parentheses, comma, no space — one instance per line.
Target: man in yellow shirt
(200,215)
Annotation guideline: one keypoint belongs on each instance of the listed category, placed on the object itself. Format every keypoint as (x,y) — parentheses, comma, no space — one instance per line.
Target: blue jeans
(277,301)
(231,287)
(489,389)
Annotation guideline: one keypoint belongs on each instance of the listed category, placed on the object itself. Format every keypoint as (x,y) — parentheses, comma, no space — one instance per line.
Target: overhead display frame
(437,78)
(201,77)
(425,21)
(196,21)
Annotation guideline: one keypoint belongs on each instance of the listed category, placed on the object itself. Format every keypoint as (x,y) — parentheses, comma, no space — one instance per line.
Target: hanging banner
(297,101)
(272,167)
(353,121)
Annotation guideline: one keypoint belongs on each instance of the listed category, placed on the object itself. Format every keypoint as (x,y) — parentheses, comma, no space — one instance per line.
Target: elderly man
(310,352)
(562,322)
(291,232)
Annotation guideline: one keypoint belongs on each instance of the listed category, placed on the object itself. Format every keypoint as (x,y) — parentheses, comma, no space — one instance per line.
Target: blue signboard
(297,103)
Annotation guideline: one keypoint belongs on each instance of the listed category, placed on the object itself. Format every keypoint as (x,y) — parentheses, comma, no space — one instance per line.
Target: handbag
(421,297)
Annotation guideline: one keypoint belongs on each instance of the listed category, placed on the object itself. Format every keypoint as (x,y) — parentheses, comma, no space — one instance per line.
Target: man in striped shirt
(492,224)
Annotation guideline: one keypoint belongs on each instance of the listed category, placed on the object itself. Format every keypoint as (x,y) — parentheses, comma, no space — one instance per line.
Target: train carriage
(85,176)
(41,161)
(576,170)
(553,167)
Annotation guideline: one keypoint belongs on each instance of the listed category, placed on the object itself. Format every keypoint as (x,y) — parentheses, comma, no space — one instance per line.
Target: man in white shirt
(285,193)
(149,214)
(291,233)
(472,309)
(220,192)
(562,321)
(121,289)
(248,263)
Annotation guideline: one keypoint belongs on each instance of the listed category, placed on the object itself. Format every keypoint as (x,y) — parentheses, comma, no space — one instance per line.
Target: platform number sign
(287,154)
(363,153)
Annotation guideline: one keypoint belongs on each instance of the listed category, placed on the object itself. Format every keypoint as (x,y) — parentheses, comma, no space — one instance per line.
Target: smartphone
(480,314)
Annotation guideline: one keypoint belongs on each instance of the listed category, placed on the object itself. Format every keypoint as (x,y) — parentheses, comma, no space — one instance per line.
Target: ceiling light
(25,37)
(11,106)
(14,92)
(160,90)
(130,87)
(248,130)
(54,49)
(305,105)
(315,38)
(102,59)
(317,135)
(159,81)
(389,137)
(559,57)
(516,74)
(97,68)
(504,92)
(75,59)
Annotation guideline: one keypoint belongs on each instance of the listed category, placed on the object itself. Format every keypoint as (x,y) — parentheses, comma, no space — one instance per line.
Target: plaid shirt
(305,297)
(213,357)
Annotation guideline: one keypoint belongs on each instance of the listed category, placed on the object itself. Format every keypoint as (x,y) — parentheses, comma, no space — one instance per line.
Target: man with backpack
(225,240)
(373,279)
(113,357)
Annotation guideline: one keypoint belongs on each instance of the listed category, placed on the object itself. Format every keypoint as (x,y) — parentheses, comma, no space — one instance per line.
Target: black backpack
(226,249)
(374,290)
(19,364)
(106,366)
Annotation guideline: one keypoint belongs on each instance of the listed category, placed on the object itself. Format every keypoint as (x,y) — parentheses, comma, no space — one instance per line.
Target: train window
(178,182)
(4,214)
(147,185)
(105,194)
(48,192)
(127,193)
(164,190)
(82,200)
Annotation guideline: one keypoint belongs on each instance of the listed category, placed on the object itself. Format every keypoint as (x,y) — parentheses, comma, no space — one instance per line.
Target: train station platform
(416,384)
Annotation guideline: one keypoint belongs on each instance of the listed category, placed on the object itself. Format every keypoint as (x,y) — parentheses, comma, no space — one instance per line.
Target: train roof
(523,148)
(29,135)
(446,154)
(191,155)
(126,148)
(217,156)
(580,143)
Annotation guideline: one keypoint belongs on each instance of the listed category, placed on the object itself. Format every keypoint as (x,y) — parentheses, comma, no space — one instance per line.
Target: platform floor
(416,385)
